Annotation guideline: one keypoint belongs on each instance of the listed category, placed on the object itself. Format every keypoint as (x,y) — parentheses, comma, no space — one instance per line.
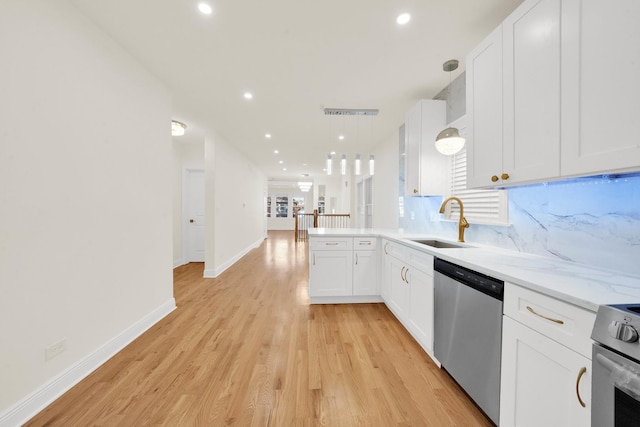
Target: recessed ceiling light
(205,8)
(275,151)
(248,95)
(332,153)
(267,135)
(340,137)
(281,162)
(304,164)
(403,18)
(284,169)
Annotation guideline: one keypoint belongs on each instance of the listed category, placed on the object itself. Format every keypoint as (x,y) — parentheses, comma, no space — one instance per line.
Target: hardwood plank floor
(247,349)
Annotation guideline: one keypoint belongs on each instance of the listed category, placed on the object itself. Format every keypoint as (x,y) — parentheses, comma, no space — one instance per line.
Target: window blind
(480,206)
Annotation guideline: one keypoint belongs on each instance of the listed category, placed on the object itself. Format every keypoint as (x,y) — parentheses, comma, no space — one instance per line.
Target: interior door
(195,222)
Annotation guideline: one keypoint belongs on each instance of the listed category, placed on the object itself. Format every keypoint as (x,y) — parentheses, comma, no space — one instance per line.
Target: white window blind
(480,206)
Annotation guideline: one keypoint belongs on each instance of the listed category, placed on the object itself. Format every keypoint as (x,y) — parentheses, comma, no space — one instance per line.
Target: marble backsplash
(594,221)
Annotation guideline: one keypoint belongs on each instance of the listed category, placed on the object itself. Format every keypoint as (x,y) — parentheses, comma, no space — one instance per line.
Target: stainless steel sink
(441,244)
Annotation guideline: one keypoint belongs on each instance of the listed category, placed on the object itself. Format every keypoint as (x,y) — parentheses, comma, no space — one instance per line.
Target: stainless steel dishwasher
(468,331)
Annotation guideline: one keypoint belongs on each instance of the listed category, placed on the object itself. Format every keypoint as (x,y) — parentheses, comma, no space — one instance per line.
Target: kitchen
(592,221)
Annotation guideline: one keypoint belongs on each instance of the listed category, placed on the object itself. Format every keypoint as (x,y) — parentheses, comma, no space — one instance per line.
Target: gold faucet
(462,224)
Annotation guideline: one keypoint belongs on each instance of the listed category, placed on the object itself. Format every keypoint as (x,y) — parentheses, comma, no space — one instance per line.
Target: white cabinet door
(600,90)
(385,284)
(365,273)
(330,273)
(421,307)
(541,382)
(399,295)
(531,88)
(425,168)
(484,112)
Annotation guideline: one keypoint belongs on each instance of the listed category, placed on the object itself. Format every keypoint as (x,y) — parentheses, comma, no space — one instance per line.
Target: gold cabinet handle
(386,245)
(365,243)
(415,191)
(581,373)
(356,258)
(402,273)
(560,322)
(504,176)
(331,243)
(494,178)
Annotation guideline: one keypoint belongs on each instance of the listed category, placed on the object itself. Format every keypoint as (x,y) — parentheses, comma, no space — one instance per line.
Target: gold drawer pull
(331,243)
(582,371)
(560,322)
(365,243)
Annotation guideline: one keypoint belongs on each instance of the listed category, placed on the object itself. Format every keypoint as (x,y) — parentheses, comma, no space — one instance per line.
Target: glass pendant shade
(449,141)
(343,164)
(329,164)
(371,164)
(356,164)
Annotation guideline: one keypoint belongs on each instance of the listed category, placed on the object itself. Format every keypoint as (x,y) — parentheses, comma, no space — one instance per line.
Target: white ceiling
(296,57)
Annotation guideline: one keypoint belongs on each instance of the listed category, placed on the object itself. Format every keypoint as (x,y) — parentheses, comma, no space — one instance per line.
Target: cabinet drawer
(421,261)
(331,243)
(365,243)
(565,323)
(395,249)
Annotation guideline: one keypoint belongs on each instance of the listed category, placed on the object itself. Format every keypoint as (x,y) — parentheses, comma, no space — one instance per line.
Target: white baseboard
(356,299)
(28,407)
(215,272)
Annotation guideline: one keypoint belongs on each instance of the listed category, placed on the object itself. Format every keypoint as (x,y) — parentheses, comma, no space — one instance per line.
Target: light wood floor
(247,349)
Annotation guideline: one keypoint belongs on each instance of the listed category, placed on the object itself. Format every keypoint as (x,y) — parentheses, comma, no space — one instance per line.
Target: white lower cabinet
(343,270)
(546,361)
(408,280)
(330,273)
(542,381)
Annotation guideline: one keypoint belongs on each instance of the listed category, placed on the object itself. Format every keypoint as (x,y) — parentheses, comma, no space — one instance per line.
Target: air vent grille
(350,112)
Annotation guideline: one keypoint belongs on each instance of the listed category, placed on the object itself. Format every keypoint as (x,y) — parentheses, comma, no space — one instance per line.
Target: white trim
(28,407)
(355,299)
(215,272)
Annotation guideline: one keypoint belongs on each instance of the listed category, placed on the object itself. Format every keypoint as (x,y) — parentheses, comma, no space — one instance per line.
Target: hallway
(246,349)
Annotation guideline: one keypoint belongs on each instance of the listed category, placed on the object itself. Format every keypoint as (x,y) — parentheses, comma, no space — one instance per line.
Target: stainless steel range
(616,367)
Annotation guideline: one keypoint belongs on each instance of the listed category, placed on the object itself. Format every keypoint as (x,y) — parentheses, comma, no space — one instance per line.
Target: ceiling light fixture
(305,186)
(329,163)
(449,141)
(403,18)
(275,151)
(248,95)
(267,135)
(341,137)
(371,164)
(177,128)
(356,164)
(205,8)
(343,164)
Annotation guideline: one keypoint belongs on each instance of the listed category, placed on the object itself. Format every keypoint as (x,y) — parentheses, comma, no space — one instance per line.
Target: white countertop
(579,284)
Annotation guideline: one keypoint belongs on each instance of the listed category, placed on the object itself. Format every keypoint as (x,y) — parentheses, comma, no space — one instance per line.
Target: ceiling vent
(350,112)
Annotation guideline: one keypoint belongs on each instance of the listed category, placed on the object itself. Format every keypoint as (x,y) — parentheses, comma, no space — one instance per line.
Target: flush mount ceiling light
(403,18)
(177,128)
(449,141)
(205,8)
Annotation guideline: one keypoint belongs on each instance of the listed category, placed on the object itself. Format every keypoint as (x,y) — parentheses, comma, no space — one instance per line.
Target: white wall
(234,205)
(85,211)
(386,183)
(185,156)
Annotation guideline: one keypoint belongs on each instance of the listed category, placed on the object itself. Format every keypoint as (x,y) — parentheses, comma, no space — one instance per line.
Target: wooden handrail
(302,224)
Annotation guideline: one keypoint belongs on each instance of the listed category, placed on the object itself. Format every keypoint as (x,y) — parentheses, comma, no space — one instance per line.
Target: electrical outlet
(55,349)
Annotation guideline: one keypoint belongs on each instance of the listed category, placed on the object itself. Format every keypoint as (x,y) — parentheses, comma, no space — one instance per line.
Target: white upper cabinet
(531,85)
(552,91)
(484,111)
(513,99)
(425,167)
(600,86)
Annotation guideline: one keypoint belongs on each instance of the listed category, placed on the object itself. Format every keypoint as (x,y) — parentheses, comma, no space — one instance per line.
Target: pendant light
(329,163)
(371,164)
(356,164)
(177,128)
(343,164)
(449,141)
